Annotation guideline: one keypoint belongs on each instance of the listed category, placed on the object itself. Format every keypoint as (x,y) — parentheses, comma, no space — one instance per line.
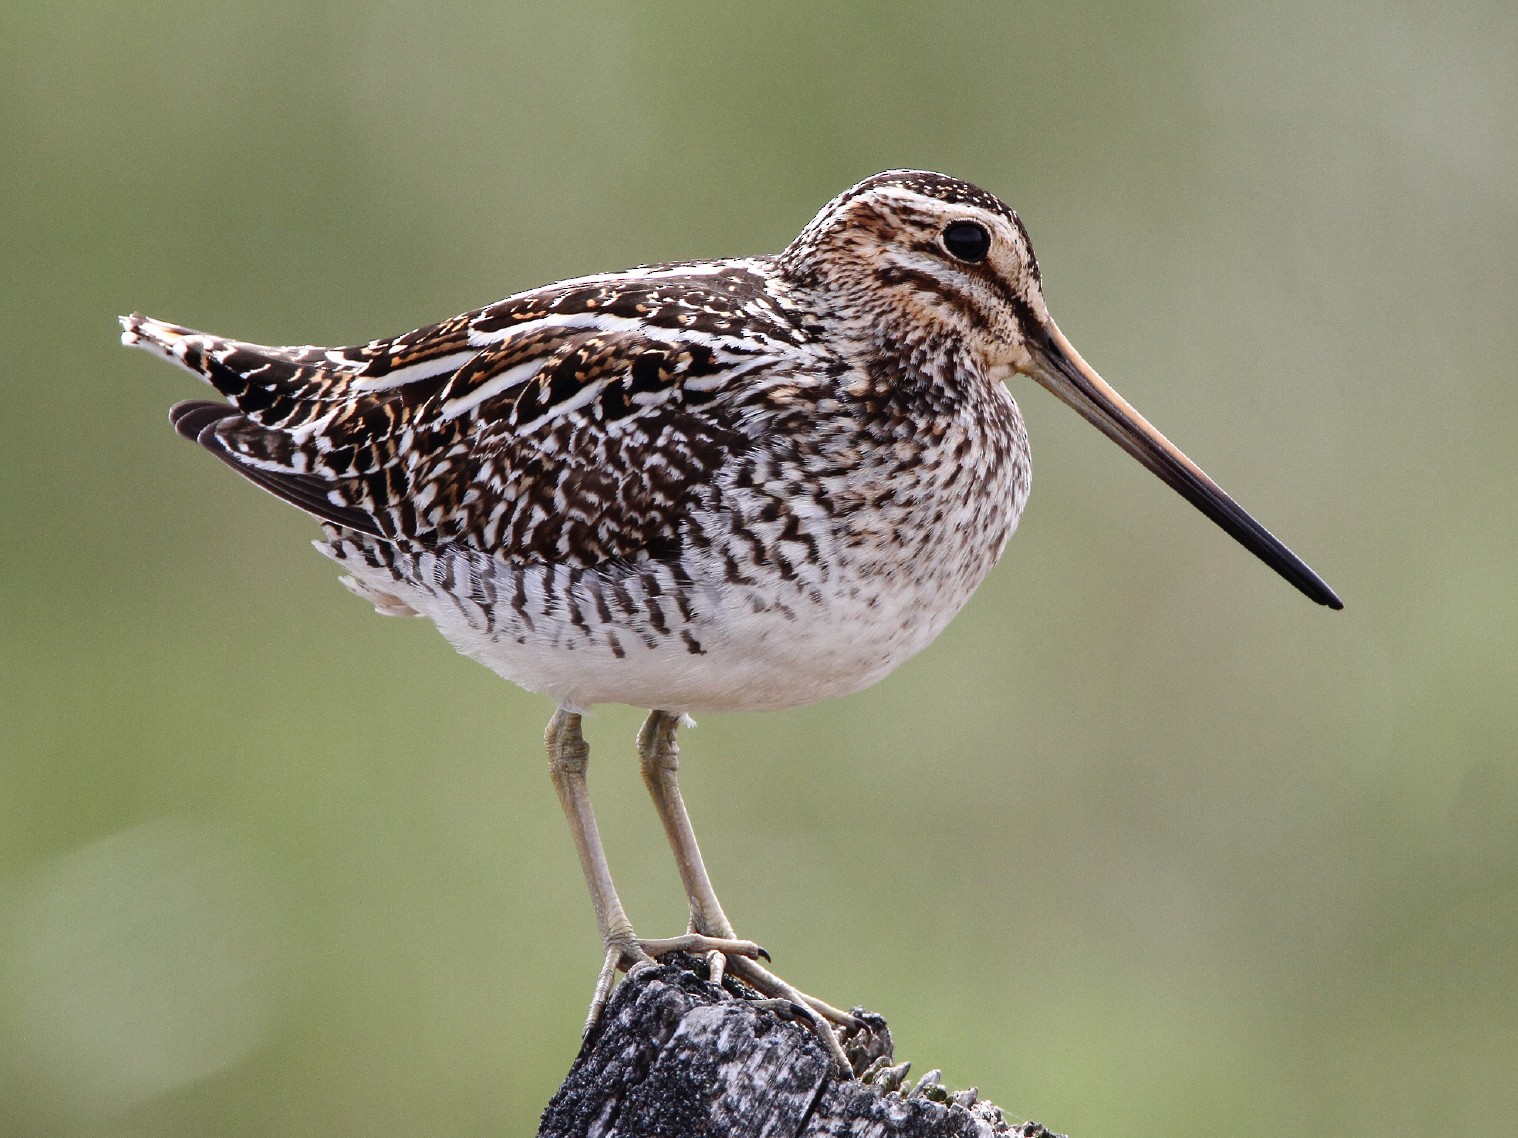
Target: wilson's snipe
(708,486)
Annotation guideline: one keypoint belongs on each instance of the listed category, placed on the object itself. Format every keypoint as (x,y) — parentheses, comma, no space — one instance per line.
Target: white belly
(887,565)
(748,660)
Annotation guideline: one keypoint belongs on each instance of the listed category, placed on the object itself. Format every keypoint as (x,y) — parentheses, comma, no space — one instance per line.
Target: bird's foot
(821,1015)
(631,953)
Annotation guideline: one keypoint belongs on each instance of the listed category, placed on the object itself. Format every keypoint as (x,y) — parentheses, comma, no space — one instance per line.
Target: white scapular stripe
(425,369)
(511,377)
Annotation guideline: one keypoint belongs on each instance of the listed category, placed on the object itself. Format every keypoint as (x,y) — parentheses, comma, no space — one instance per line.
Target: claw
(813,1010)
(699,943)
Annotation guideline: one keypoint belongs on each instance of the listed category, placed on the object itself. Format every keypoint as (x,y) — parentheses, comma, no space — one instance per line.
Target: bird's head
(922,258)
(941,270)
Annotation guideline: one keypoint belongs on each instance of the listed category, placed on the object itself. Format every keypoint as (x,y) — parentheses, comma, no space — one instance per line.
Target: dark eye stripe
(932,286)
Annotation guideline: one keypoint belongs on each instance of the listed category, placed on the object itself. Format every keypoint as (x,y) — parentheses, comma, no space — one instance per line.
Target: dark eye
(967,240)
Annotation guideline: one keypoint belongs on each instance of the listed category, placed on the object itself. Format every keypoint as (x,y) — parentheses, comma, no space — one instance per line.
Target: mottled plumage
(741,484)
(693,486)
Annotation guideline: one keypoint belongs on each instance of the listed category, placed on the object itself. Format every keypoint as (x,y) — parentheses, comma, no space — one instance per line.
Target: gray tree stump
(677,1057)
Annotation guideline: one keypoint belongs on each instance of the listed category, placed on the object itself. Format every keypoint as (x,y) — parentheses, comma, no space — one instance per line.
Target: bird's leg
(659,755)
(568,759)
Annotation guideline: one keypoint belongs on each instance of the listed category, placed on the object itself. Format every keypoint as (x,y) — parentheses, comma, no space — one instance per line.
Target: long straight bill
(1059,367)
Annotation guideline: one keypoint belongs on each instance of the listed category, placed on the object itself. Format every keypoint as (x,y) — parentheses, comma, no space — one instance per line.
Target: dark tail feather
(215,425)
(195,415)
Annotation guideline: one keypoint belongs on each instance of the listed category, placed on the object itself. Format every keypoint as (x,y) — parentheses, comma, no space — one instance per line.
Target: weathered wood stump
(676,1057)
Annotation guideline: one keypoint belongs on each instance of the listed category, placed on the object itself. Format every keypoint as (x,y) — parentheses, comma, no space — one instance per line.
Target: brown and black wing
(522,430)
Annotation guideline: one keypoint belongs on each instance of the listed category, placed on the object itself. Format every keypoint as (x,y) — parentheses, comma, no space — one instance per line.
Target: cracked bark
(676,1056)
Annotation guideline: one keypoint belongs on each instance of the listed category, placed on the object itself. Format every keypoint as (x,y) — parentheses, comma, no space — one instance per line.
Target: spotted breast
(740,484)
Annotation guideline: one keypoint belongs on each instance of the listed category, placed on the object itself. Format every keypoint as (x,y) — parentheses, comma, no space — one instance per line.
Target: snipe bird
(702,486)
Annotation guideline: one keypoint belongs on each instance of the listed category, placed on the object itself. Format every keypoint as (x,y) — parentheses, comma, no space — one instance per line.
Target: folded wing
(531,434)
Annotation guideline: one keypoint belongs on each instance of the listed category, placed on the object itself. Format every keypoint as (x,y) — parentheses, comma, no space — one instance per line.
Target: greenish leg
(659,755)
(568,760)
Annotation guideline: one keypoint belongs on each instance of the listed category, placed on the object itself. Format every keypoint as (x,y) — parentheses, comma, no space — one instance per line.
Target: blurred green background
(1145,843)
